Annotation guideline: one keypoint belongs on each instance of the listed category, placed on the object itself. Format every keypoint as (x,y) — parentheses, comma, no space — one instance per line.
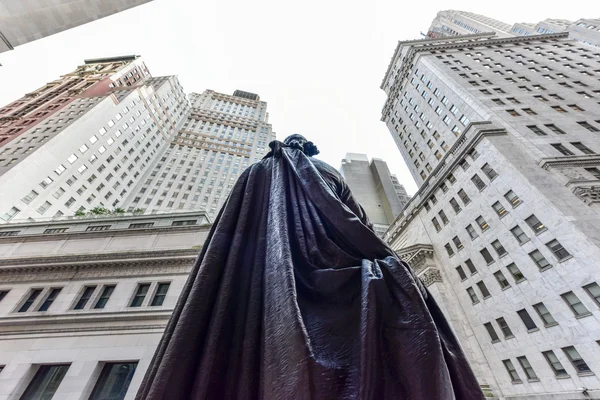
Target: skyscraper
(378,191)
(87,138)
(501,136)
(27,20)
(220,137)
(453,22)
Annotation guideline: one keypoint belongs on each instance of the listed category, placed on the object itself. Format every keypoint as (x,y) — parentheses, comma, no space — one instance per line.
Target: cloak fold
(295,297)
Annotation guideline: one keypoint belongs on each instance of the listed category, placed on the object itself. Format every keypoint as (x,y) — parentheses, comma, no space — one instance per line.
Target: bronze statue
(295,297)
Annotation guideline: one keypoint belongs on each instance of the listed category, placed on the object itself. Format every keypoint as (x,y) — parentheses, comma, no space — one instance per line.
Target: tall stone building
(84,301)
(220,137)
(453,22)
(86,139)
(23,21)
(379,192)
(501,136)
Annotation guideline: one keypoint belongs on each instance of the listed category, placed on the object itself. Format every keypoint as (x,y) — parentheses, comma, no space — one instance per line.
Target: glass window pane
(554,363)
(85,297)
(45,382)
(576,360)
(529,372)
(161,293)
(529,324)
(140,295)
(114,381)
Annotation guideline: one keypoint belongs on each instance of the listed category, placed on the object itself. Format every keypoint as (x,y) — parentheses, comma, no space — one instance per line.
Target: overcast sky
(317,63)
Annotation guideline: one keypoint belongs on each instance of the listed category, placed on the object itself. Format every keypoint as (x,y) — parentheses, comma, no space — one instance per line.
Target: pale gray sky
(317,63)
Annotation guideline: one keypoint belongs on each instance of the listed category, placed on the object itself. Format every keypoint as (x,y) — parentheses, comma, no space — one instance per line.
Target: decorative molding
(589,195)
(570,161)
(430,276)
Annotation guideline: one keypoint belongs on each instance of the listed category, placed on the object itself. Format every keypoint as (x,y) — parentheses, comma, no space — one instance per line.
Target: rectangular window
(114,381)
(556,366)
(588,126)
(44,207)
(85,297)
(479,184)
(443,217)
(526,318)
(492,332)
(140,295)
(502,281)
(32,195)
(484,290)
(555,129)
(512,198)
(512,371)
(575,304)
(98,228)
(46,381)
(50,299)
(562,149)
(519,235)
(504,328)
(449,249)
(436,224)
(455,205)
(499,248)
(141,225)
(471,266)
(514,113)
(527,368)
(486,255)
(457,243)
(536,130)
(472,295)
(593,289)
(535,224)
(499,208)
(594,171)
(539,259)
(461,273)
(33,295)
(104,296)
(558,250)
(482,223)
(161,293)
(576,360)
(471,231)
(582,148)
(544,314)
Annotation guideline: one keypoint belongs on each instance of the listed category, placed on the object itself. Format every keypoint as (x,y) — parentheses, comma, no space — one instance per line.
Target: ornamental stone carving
(430,276)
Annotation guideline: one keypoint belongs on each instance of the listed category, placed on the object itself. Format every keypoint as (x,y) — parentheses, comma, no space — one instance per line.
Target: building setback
(501,136)
(377,191)
(86,139)
(26,20)
(84,301)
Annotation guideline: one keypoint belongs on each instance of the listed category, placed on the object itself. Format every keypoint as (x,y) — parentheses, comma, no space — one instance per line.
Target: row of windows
(90,297)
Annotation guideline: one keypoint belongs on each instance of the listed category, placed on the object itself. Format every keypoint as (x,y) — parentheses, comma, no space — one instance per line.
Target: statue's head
(301,143)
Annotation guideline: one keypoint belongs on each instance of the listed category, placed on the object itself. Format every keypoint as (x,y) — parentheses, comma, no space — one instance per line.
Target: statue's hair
(309,148)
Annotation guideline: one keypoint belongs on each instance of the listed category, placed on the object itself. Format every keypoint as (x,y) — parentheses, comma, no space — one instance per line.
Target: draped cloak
(294,296)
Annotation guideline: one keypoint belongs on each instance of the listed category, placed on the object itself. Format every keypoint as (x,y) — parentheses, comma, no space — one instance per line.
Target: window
(436,224)
(502,281)
(499,248)
(576,107)
(140,295)
(472,295)
(512,371)
(479,184)
(558,250)
(498,102)
(536,130)
(583,148)
(484,290)
(446,120)
(526,318)
(535,224)
(519,235)
(461,273)
(72,158)
(486,255)
(50,299)
(562,149)
(443,217)
(594,171)
(588,126)
(33,295)
(3,294)
(499,208)
(473,154)
(575,304)
(489,171)
(46,381)
(70,202)
(464,197)
(593,289)
(114,381)
(482,224)
(85,297)
(98,228)
(556,366)
(32,195)
(161,293)
(492,332)
(471,231)
(457,243)
(512,198)
(514,113)
(449,249)
(544,314)
(529,111)
(141,225)
(529,372)
(470,266)
(55,230)
(455,205)
(576,360)
(539,259)
(104,296)
(504,328)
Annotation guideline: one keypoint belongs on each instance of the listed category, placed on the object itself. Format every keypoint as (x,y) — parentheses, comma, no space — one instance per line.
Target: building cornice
(444,44)
(570,161)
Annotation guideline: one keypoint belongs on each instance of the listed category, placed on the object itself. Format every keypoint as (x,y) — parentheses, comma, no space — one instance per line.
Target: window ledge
(565,259)
(551,325)
(517,205)
(563,376)
(503,215)
(520,280)
(483,230)
(545,268)
(487,297)
(540,232)
(590,373)
(509,337)
(462,280)
(533,330)
(506,287)
(503,255)
(473,273)
(533,380)
(491,262)
(525,242)
(517,382)
(496,341)
(475,302)
(583,315)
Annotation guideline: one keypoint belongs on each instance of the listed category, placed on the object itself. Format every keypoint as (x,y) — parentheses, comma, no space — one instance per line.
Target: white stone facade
(500,135)
(122,252)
